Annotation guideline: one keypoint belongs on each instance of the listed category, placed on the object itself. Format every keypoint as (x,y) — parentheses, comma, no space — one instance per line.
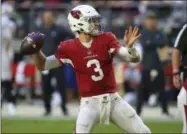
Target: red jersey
(93,66)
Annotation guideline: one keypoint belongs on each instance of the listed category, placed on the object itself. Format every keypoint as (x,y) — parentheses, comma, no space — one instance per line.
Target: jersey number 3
(96,69)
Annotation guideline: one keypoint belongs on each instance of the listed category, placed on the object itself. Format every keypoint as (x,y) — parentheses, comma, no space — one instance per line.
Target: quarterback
(91,55)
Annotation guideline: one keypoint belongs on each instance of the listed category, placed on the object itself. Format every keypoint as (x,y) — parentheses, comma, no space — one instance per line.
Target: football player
(91,55)
(180,51)
(8,28)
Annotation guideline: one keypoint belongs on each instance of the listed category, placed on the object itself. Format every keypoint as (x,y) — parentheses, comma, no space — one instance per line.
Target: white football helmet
(84,18)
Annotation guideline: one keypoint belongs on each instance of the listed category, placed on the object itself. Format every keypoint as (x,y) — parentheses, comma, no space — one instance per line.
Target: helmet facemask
(95,25)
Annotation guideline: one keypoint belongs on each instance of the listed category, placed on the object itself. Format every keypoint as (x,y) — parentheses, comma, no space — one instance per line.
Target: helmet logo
(76,14)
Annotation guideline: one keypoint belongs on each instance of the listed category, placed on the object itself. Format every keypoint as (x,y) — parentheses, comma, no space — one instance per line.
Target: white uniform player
(8,28)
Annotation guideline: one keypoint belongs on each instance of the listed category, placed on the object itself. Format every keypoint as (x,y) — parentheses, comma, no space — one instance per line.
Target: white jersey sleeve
(8,28)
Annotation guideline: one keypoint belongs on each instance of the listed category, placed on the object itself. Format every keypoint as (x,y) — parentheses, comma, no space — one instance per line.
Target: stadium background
(116,16)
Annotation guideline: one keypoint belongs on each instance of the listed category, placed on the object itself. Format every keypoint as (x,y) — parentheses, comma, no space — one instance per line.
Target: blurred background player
(8,28)
(179,63)
(54,34)
(70,82)
(152,79)
(132,78)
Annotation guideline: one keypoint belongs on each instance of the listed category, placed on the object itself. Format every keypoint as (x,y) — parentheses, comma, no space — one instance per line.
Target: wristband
(133,52)
(176,71)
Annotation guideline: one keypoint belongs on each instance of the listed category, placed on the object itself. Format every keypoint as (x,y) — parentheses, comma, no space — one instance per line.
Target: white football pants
(105,108)
(182,107)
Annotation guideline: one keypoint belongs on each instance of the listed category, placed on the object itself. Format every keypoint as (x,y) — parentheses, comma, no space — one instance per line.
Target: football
(32,43)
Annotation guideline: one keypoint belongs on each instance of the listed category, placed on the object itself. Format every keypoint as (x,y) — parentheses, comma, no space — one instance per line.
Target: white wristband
(128,54)
(133,52)
(124,53)
(176,71)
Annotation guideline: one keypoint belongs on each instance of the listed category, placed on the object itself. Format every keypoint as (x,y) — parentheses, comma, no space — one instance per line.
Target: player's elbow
(40,67)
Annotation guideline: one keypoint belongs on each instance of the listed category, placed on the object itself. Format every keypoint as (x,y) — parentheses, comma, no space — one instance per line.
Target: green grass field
(67,126)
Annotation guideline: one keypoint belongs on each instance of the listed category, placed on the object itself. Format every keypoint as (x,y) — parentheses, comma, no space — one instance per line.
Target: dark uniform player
(53,35)
(152,81)
(180,50)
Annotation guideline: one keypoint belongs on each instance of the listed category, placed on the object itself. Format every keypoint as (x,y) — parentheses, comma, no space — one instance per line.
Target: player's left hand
(131,35)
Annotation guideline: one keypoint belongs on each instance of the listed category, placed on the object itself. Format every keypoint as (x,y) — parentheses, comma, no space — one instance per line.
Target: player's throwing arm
(31,45)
